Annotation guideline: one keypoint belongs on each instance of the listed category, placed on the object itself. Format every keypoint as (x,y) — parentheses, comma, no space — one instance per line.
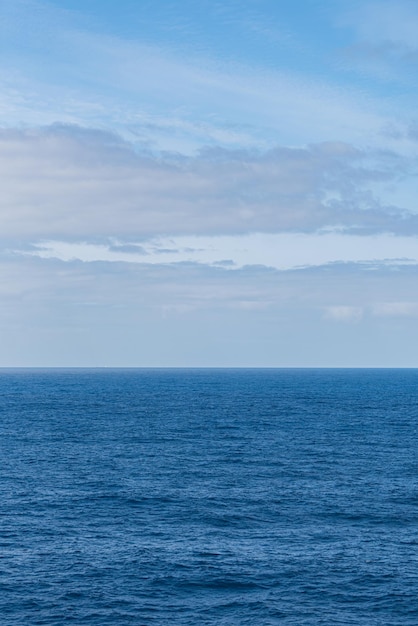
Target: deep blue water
(209,497)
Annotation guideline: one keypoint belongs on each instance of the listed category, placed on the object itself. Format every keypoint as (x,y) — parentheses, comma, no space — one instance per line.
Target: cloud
(344,291)
(148,85)
(395,309)
(383,21)
(277,250)
(344,313)
(74,313)
(386,43)
(211,133)
(69,182)
(128,248)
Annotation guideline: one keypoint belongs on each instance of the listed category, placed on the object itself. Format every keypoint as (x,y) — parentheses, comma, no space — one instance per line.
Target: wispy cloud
(385,43)
(64,69)
(275,250)
(395,309)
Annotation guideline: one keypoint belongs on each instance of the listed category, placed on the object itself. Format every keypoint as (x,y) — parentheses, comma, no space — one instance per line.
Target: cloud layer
(61,182)
(57,313)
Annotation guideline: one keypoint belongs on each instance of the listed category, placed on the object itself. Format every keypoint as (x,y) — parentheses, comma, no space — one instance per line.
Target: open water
(193,497)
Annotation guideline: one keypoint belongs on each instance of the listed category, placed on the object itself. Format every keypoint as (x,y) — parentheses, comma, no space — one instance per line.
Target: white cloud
(347,313)
(344,313)
(395,309)
(64,182)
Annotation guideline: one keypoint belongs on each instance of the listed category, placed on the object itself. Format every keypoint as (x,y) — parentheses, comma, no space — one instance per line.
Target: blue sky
(208,184)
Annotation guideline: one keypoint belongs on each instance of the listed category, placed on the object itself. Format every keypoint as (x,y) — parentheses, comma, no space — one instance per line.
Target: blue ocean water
(224,497)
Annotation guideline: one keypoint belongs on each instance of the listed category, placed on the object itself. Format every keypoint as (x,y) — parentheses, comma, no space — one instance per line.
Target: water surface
(220,497)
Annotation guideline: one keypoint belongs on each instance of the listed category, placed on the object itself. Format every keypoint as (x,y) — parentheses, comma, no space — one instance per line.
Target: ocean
(194,497)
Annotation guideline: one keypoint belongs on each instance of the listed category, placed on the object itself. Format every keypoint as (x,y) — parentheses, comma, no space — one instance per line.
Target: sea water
(192,497)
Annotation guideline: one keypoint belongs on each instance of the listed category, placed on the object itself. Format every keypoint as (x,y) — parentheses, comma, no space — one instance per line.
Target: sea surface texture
(193,497)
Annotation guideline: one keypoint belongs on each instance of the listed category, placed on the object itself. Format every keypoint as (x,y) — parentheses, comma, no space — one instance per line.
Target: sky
(208,184)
